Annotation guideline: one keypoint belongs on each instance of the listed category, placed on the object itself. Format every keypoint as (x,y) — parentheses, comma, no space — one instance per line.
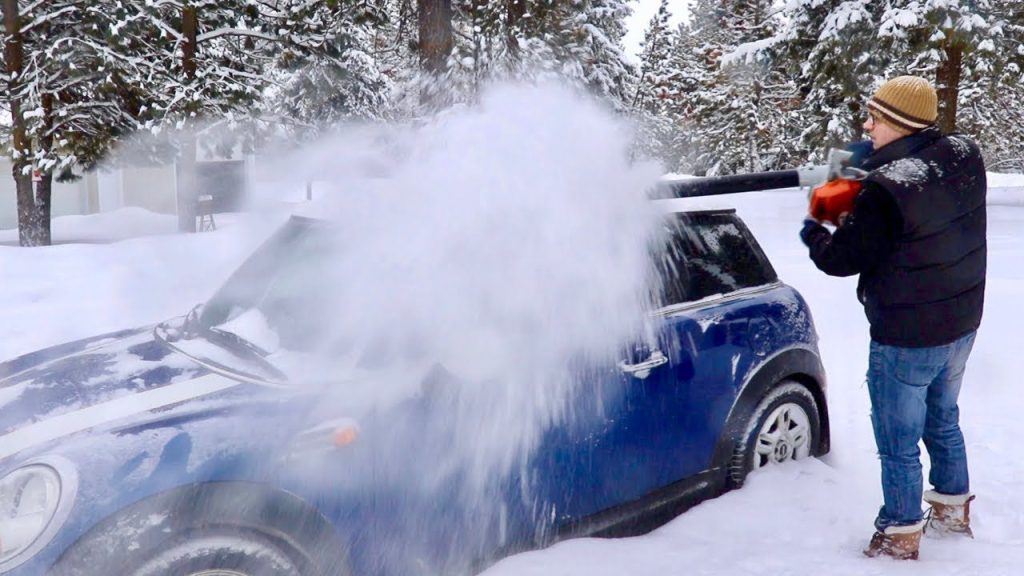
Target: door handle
(643,369)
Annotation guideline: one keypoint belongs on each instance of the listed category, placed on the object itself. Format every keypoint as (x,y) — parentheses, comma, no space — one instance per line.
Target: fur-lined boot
(950,513)
(899,542)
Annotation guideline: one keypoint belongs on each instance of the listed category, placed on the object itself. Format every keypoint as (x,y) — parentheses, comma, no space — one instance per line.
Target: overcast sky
(643,11)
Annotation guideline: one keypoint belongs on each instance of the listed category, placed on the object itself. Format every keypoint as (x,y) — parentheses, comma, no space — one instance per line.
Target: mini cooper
(176,449)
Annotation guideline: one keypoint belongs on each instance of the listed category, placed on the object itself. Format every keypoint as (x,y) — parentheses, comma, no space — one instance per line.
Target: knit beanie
(906,103)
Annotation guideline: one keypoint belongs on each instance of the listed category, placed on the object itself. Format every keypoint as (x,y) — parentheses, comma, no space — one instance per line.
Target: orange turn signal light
(344,435)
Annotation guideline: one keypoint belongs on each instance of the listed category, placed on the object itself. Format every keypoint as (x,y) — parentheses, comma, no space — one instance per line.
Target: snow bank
(110,226)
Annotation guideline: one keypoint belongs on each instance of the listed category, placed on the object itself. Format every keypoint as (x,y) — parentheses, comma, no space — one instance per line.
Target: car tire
(784,426)
(217,529)
(221,554)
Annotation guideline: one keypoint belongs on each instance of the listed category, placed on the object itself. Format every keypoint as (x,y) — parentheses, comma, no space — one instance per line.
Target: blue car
(181,448)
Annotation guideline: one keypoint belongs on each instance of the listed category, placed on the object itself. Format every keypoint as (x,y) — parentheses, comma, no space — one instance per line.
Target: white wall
(69,198)
(8,197)
(110,190)
(153,188)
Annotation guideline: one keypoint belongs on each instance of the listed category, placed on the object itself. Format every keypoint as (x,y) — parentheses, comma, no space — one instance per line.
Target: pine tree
(75,96)
(577,41)
(655,66)
(206,63)
(19,146)
(692,75)
(211,64)
(593,53)
(991,95)
(324,68)
(656,91)
(954,40)
(829,46)
(742,111)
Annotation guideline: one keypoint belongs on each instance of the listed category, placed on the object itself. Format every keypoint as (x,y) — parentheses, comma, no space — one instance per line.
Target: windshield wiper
(189,328)
(183,328)
(242,347)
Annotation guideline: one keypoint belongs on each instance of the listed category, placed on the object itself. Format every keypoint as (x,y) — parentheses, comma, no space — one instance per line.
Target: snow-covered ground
(807,518)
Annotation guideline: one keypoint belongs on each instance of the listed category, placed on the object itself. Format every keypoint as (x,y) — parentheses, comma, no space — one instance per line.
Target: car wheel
(214,529)
(226,554)
(784,426)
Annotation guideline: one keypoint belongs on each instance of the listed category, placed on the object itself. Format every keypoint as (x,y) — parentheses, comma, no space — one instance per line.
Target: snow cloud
(501,244)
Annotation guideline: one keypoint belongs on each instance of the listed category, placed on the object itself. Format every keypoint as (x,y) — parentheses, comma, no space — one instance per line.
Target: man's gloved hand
(861,150)
(811,228)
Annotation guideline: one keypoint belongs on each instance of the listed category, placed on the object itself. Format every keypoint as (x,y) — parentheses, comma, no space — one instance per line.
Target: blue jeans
(913,397)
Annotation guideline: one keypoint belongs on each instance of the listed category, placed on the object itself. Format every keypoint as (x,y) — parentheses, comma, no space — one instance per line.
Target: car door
(655,418)
(706,341)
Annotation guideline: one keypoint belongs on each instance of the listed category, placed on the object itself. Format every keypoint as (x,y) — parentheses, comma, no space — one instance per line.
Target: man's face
(880,132)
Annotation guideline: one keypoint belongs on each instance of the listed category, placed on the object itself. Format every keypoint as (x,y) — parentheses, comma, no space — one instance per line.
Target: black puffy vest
(930,290)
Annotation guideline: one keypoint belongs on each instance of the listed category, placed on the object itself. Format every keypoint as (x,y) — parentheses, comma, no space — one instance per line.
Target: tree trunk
(186,173)
(405,16)
(41,216)
(20,149)
(947,81)
(44,186)
(515,11)
(436,39)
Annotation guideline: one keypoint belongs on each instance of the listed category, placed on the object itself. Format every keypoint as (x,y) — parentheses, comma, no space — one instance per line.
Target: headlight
(30,499)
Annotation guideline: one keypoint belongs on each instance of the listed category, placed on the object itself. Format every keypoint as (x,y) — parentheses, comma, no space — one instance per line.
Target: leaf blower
(833,186)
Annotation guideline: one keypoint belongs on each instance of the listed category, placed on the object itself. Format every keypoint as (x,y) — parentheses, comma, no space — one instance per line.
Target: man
(916,236)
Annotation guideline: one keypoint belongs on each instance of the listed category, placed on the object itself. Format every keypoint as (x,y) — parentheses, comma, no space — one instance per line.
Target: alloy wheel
(785,435)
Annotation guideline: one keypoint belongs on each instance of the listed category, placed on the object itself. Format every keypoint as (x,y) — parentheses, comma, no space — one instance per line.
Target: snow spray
(498,245)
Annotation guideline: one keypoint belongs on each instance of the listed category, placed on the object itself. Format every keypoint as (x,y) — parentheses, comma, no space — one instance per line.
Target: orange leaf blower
(833,199)
(833,186)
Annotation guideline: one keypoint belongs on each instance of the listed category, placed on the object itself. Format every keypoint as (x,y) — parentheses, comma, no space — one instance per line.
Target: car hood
(62,380)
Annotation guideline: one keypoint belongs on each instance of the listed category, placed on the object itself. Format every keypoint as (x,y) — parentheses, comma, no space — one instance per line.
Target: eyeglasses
(873,118)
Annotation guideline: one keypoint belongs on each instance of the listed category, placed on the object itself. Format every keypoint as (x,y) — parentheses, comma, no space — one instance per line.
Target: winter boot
(899,542)
(950,513)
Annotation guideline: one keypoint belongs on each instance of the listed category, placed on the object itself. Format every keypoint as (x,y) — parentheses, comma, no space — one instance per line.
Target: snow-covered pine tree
(579,41)
(500,40)
(18,144)
(395,37)
(325,69)
(845,48)
(952,40)
(484,49)
(991,98)
(654,98)
(691,76)
(208,60)
(593,48)
(438,53)
(77,94)
(741,114)
(830,48)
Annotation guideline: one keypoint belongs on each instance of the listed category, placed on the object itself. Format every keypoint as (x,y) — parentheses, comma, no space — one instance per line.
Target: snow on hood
(60,381)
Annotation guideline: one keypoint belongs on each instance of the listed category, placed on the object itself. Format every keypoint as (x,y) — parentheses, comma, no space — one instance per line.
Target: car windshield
(279,290)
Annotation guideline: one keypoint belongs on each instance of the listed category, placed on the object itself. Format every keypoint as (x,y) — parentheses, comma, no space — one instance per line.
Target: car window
(283,280)
(709,253)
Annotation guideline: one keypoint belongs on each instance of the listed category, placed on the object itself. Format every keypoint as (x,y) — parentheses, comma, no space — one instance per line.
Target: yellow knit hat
(907,103)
